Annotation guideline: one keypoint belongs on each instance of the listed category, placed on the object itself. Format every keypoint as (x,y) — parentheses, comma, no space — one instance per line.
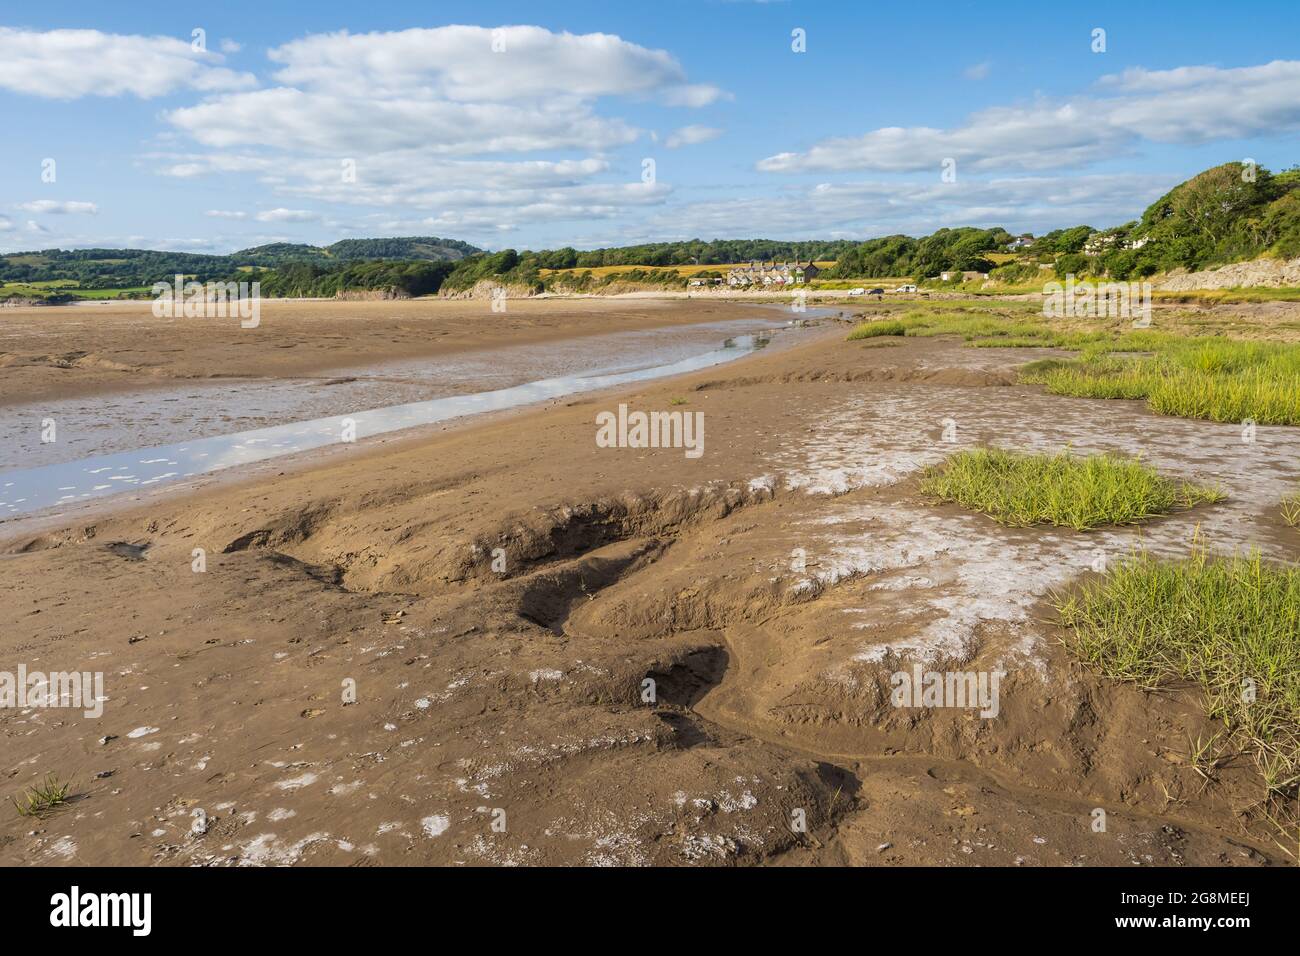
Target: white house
(772,273)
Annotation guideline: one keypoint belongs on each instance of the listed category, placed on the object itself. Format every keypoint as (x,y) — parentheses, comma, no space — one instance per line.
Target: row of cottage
(772,273)
(764,273)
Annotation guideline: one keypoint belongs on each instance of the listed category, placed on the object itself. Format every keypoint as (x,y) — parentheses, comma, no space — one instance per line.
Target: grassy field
(1229,296)
(974,321)
(989,287)
(37,290)
(1220,380)
(1229,625)
(1211,377)
(1081,493)
(889,284)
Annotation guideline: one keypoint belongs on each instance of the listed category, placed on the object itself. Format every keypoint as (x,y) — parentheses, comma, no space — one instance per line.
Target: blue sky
(528,125)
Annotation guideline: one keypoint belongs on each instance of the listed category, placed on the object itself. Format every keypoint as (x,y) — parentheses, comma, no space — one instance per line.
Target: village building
(1100,242)
(772,274)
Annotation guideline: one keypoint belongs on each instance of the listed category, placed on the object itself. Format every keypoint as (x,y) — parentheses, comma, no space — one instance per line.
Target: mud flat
(103,445)
(113,347)
(499,594)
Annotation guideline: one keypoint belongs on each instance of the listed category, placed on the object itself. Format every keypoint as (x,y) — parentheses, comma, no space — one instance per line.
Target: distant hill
(131,268)
(429,248)
(1229,213)
(276,253)
(409,248)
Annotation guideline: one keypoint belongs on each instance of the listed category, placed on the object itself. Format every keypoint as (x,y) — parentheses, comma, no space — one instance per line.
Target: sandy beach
(378,652)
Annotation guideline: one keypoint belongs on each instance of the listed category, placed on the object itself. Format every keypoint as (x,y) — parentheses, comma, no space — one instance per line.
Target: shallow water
(588,364)
(164,414)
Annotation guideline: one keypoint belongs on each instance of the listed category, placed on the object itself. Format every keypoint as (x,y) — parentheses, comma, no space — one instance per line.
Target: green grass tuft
(1009,342)
(1291,510)
(1080,493)
(1230,625)
(42,798)
(869,330)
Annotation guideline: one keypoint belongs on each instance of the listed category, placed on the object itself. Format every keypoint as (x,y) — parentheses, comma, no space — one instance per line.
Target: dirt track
(768,588)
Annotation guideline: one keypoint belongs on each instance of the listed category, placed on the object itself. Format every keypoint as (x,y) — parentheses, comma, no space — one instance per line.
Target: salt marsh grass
(870,330)
(1291,510)
(1228,624)
(1212,378)
(1222,380)
(1081,493)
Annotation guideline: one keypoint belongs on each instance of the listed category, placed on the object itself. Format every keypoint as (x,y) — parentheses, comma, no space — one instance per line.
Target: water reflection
(66,483)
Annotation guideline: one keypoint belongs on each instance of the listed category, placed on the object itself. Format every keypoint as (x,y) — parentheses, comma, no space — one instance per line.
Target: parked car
(858,291)
(906,288)
(876,292)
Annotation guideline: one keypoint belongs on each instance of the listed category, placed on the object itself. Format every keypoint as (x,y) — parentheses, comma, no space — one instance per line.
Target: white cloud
(468,193)
(6,224)
(189,165)
(461,63)
(695,95)
(414,178)
(443,90)
(231,46)
(298,121)
(58,207)
(405,112)
(481,210)
(383,178)
(690,135)
(66,64)
(287,215)
(869,209)
(978,71)
(226,214)
(1187,105)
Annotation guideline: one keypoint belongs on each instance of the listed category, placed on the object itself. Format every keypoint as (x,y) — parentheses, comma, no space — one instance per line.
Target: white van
(858,291)
(906,288)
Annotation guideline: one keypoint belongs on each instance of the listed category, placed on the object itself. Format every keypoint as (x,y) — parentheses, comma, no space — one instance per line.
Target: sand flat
(498,593)
(99,348)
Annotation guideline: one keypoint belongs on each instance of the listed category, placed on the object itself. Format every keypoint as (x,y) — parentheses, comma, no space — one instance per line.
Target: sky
(215,127)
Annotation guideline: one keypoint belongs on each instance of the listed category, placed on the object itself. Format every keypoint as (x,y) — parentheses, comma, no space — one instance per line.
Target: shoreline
(47,356)
(24,525)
